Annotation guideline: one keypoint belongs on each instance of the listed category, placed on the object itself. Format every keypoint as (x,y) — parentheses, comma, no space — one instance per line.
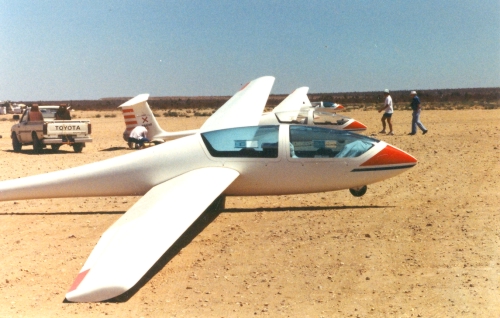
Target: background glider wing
(244,108)
(131,246)
(295,101)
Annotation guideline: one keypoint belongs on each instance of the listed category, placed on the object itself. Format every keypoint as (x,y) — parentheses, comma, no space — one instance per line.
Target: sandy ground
(422,244)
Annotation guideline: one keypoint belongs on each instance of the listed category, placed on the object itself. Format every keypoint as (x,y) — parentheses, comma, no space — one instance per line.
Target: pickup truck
(50,131)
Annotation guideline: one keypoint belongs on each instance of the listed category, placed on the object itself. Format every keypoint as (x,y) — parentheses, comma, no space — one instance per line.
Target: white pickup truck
(50,131)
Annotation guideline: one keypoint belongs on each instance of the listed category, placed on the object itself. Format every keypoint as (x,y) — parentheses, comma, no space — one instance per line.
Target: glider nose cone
(391,158)
(355,125)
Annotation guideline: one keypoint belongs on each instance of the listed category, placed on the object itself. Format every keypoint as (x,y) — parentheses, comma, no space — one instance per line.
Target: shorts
(387,115)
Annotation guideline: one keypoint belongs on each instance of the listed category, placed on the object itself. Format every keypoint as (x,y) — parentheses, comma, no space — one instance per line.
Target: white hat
(386,91)
(413,93)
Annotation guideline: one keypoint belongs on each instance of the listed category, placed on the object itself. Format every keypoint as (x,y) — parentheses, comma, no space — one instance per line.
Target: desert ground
(423,244)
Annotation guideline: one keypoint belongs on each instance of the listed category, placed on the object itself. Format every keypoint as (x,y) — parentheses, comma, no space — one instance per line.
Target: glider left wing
(131,246)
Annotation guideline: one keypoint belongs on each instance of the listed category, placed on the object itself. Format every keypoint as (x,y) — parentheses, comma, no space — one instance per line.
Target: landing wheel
(358,192)
(16,145)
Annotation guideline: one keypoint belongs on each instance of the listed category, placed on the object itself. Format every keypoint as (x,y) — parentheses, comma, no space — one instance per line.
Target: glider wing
(244,108)
(131,246)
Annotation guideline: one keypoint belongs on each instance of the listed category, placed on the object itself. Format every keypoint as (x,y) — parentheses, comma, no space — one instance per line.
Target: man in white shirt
(138,136)
(388,110)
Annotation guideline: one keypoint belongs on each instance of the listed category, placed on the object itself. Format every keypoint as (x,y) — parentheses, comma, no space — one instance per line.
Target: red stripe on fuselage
(389,156)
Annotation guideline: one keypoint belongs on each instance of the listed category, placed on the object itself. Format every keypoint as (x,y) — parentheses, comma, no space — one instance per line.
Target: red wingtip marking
(78,280)
(129,116)
(340,107)
(127,110)
(244,86)
(355,125)
(389,156)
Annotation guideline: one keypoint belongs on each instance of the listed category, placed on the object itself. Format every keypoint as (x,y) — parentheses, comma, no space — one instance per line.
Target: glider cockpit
(303,141)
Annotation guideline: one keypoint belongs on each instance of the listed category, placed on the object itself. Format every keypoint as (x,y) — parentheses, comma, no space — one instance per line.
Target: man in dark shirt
(415,106)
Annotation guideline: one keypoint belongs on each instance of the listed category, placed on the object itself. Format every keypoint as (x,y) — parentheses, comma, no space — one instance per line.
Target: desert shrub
(202,113)
(110,116)
(98,116)
(171,113)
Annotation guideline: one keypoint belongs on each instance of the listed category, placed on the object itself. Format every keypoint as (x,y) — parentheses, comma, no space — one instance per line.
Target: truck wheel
(16,145)
(37,144)
(78,147)
(55,147)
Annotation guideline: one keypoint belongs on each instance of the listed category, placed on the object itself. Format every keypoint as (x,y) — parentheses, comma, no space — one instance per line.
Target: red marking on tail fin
(127,110)
(78,280)
(355,125)
(129,116)
(389,156)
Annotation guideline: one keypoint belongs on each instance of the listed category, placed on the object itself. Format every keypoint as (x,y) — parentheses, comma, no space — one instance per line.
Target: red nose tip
(389,156)
(355,125)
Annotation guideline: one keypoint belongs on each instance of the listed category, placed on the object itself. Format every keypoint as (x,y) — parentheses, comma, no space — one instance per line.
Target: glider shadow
(114,149)
(64,213)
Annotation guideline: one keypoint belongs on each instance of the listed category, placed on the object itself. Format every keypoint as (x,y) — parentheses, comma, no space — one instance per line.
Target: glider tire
(358,192)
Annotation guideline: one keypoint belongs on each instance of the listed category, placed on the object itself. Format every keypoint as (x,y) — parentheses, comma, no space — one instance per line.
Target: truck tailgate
(58,128)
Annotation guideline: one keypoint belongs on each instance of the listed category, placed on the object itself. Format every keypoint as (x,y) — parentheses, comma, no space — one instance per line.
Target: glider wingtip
(95,295)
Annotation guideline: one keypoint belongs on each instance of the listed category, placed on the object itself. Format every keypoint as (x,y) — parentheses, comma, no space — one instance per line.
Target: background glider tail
(137,112)
(295,101)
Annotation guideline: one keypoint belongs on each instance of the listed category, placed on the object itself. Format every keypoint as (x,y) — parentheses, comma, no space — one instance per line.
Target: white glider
(245,159)
(295,108)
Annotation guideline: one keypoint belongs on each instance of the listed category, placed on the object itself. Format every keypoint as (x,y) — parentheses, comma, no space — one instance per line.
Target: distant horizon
(225,96)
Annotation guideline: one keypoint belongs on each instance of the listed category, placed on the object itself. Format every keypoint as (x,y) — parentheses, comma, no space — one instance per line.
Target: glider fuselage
(312,162)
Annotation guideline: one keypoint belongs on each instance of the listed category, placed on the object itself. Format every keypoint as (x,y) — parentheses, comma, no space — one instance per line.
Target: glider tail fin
(295,101)
(137,112)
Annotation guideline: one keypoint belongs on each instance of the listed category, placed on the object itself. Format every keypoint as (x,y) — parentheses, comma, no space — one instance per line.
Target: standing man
(415,121)
(388,110)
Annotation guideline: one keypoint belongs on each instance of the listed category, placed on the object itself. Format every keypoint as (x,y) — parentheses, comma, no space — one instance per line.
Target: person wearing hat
(62,113)
(415,121)
(388,110)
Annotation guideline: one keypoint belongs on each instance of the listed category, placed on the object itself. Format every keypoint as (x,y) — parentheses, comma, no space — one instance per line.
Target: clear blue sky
(53,50)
